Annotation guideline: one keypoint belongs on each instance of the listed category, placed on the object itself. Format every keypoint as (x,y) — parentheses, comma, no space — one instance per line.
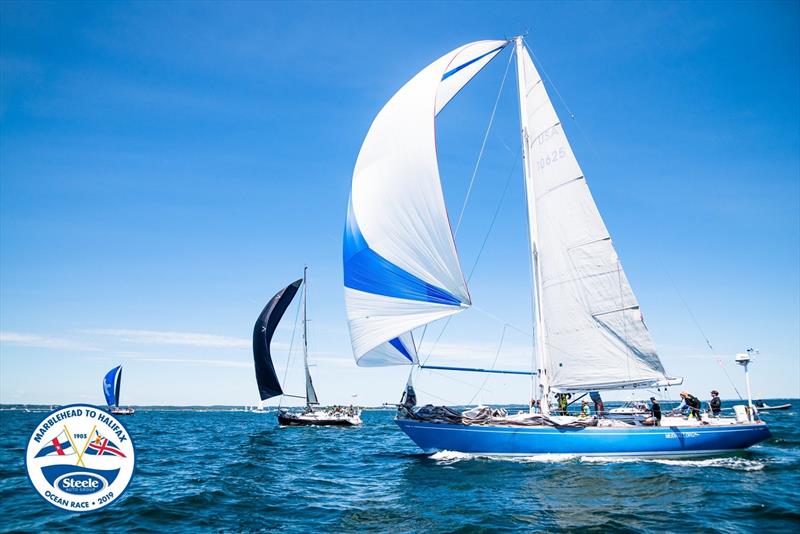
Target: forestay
(401,269)
(594,333)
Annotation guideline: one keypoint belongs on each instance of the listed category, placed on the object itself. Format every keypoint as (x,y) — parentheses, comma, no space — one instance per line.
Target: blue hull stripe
(642,441)
(365,270)
(468,63)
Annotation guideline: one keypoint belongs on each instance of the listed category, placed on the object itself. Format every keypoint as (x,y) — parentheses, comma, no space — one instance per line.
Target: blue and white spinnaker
(401,269)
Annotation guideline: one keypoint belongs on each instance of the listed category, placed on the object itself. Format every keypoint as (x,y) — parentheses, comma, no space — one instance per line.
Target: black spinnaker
(268,384)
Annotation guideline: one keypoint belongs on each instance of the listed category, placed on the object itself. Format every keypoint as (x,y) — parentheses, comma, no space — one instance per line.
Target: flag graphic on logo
(58,446)
(101,446)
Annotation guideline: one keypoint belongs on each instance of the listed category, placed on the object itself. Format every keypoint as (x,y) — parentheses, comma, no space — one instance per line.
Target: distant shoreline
(248,408)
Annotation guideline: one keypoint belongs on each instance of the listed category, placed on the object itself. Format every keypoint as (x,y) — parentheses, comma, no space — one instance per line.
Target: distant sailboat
(268,384)
(402,272)
(112,383)
(764,407)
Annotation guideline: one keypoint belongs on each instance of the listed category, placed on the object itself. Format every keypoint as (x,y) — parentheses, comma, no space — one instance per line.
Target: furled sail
(268,384)
(594,333)
(401,269)
(111,385)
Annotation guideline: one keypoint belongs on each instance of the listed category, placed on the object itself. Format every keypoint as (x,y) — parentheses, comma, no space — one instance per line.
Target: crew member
(689,404)
(715,403)
(563,403)
(598,402)
(655,407)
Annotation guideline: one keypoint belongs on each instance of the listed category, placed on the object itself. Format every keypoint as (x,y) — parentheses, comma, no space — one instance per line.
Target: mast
(118,387)
(305,330)
(533,229)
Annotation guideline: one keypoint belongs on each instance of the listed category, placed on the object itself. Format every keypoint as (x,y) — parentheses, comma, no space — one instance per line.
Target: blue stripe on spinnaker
(396,343)
(366,270)
(468,63)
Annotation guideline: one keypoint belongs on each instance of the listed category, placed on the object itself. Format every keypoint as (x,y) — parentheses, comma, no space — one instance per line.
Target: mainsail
(111,386)
(401,268)
(268,384)
(594,335)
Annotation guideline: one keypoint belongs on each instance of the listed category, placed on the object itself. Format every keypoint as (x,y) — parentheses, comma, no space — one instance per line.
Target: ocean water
(232,471)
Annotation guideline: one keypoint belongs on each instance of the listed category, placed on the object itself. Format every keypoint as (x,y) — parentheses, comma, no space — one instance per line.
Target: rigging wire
(475,264)
(494,216)
(447,322)
(466,199)
(447,375)
(496,355)
(700,329)
(436,396)
(483,146)
(501,321)
(291,344)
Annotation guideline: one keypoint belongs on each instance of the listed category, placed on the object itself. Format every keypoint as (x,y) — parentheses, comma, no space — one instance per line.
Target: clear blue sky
(166,167)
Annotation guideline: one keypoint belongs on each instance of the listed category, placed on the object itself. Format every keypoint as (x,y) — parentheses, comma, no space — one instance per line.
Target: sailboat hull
(590,441)
(318,419)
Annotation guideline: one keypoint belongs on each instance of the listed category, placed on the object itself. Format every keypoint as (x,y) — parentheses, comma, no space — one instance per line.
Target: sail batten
(401,267)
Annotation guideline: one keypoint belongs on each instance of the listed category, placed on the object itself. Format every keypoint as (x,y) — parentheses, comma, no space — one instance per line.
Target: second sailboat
(268,384)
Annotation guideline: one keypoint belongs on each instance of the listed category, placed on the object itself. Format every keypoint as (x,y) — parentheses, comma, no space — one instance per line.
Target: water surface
(238,471)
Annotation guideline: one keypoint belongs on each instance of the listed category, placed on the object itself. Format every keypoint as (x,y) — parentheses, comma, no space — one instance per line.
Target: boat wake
(732,463)
(451,457)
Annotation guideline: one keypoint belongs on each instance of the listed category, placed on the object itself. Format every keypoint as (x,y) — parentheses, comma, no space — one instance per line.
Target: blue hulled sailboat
(402,272)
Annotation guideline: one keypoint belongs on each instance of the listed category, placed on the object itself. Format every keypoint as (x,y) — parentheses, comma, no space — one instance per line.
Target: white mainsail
(401,269)
(594,335)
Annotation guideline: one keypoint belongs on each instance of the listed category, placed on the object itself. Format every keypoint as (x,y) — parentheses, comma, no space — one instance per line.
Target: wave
(733,463)
(449,457)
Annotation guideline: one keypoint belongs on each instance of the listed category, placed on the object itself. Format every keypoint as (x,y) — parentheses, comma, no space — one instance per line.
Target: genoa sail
(268,383)
(594,332)
(401,268)
(111,386)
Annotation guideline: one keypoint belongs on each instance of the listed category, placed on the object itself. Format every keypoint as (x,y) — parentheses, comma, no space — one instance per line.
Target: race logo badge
(80,458)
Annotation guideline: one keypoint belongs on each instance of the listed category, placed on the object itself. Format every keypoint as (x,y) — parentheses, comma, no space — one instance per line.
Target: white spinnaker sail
(594,333)
(401,269)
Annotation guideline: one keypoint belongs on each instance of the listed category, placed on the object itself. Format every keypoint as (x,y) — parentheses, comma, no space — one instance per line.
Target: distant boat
(402,272)
(112,383)
(268,384)
(257,409)
(761,406)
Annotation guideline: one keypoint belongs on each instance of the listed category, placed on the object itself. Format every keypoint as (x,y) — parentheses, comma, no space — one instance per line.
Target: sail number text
(552,157)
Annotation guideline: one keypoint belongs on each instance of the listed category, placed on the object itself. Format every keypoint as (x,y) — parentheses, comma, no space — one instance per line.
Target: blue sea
(232,471)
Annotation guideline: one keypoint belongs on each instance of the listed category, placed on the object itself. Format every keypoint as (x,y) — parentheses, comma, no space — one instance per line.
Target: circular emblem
(80,458)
